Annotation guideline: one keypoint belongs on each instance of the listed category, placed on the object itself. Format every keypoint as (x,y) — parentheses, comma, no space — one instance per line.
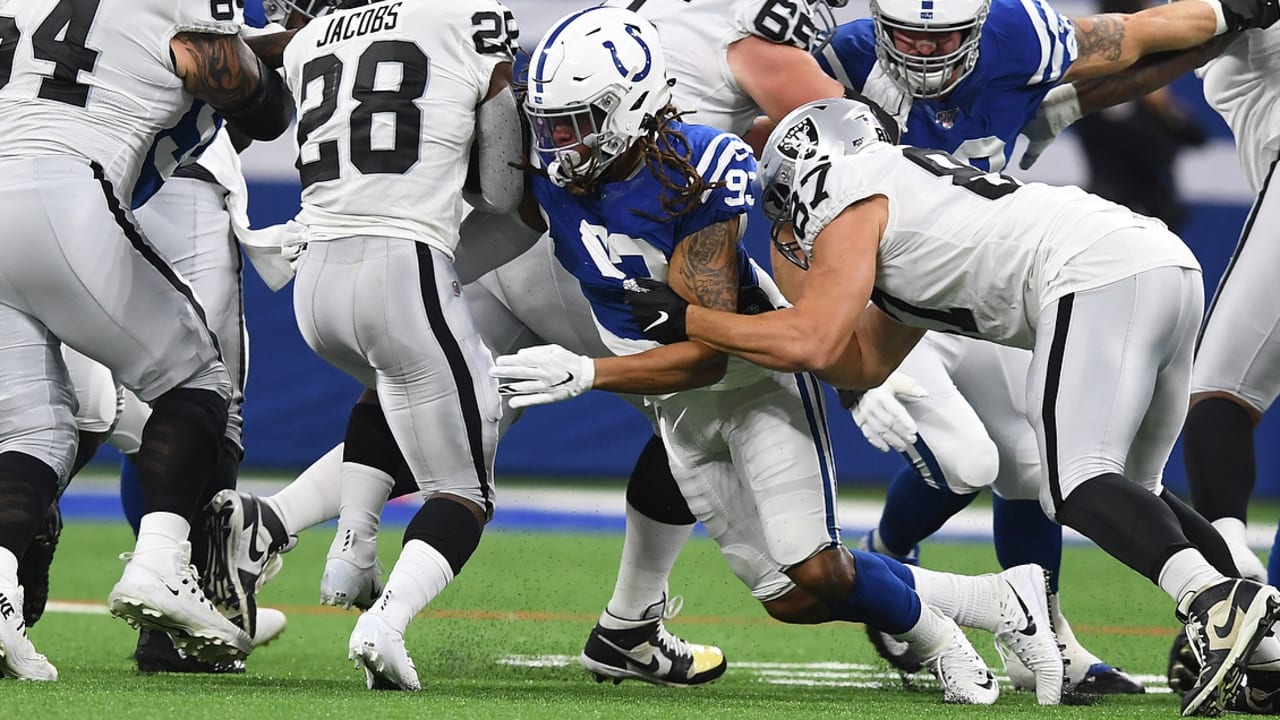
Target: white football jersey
(977,253)
(95,79)
(386,98)
(1243,85)
(696,37)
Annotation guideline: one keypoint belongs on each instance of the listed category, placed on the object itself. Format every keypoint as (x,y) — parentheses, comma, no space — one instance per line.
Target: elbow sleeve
(268,112)
(498,181)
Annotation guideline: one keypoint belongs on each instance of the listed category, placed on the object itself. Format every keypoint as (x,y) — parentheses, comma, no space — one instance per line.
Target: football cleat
(270,625)
(1026,632)
(1260,694)
(352,574)
(899,654)
(1184,666)
(18,657)
(1086,674)
(156,654)
(160,590)
(33,570)
(246,538)
(1225,622)
(963,675)
(646,650)
(379,649)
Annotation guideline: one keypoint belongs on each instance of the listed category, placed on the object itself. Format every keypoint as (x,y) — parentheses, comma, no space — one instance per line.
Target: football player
(629,191)
(965,78)
(1044,268)
(383,158)
(78,271)
(1231,386)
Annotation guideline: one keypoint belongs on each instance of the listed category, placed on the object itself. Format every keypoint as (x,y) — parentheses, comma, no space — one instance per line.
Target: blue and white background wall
(296,405)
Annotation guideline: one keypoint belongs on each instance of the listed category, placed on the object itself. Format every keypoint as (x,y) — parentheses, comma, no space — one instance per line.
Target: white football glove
(881,416)
(1060,108)
(542,375)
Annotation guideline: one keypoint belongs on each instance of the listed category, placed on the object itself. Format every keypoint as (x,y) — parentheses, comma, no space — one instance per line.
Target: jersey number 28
(400,102)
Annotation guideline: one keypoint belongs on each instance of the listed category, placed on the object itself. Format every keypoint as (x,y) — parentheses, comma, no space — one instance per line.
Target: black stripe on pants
(471,416)
(1053,375)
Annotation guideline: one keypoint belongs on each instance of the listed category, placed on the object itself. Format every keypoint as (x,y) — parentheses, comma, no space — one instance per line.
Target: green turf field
(495,644)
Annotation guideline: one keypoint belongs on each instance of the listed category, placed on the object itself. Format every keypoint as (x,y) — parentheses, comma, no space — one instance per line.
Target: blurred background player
(72,159)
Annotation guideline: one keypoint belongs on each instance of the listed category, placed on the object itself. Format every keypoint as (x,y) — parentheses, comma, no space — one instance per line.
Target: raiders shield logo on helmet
(801,141)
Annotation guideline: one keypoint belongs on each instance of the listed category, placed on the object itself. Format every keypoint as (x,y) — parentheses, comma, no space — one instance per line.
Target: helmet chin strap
(561,169)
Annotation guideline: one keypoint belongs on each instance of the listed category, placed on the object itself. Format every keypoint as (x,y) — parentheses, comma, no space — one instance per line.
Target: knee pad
(369,440)
(131,418)
(968,460)
(653,491)
(449,527)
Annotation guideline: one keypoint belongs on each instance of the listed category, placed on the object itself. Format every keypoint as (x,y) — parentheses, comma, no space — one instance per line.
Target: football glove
(657,309)
(1060,108)
(882,418)
(542,375)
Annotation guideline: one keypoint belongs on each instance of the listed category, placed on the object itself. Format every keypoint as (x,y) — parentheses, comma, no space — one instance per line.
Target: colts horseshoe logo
(643,73)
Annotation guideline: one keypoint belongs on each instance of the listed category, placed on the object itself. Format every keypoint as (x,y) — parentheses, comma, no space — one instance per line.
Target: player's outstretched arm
(222,71)
(1069,102)
(818,333)
(1112,42)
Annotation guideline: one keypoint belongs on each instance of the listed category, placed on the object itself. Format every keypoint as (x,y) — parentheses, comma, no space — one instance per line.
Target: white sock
(1185,572)
(364,494)
(314,497)
(8,567)
(970,600)
(161,531)
(419,576)
(929,635)
(1233,531)
(649,550)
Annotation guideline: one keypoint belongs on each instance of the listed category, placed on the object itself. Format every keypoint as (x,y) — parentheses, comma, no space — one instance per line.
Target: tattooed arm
(1112,42)
(703,271)
(1148,75)
(222,71)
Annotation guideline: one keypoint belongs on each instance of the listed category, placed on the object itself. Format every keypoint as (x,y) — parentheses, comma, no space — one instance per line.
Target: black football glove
(657,309)
(1246,14)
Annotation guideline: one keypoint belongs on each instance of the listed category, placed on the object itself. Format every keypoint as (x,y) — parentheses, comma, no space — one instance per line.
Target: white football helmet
(597,78)
(934,75)
(811,134)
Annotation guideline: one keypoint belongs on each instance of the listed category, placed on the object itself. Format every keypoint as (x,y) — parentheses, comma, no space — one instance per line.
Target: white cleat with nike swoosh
(1026,630)
(160,590)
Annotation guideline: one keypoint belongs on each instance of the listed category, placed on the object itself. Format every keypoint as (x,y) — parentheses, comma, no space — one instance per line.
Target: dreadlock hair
(666,147)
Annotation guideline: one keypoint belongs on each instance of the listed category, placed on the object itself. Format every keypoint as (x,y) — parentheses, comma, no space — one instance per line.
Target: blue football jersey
(620,231)
(1025,48)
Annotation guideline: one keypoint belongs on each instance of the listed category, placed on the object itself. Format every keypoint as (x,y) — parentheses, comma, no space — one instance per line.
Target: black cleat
(1183,665)
(33,570)
(1261,693)
(900,655)
(1103,679)
(156,654)
(649,652)
(1225,622)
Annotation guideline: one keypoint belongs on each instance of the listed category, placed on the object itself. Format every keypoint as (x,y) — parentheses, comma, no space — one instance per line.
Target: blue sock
(130,492)
(1023,534)
(879,596)
(914,510)
(1273,561)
